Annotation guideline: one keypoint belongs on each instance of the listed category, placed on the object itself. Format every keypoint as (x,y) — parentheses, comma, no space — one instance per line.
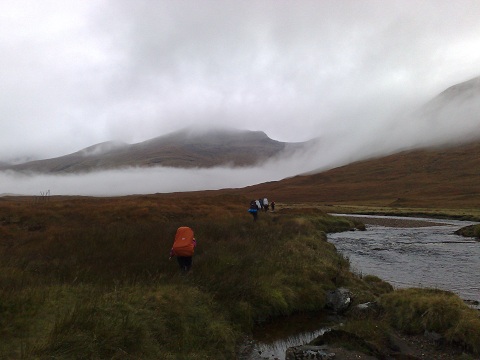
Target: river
(409,256)
(424,256)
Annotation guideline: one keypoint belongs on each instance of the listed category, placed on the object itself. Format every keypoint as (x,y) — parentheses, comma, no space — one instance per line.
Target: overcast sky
(76,73)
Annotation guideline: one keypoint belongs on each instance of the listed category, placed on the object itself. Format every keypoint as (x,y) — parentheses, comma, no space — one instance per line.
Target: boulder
(339,300)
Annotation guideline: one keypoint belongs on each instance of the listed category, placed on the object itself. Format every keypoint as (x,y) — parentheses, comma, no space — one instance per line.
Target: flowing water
(427,256)
(424,256)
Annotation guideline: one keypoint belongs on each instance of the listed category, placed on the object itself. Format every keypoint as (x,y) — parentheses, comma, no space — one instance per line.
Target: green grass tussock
(469,231)
(476,231)
(415,311)
(282,261)
(168,322)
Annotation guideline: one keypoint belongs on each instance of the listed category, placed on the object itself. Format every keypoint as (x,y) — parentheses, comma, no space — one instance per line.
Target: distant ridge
(457,97)
(467,88)
(435,177)
(186,149)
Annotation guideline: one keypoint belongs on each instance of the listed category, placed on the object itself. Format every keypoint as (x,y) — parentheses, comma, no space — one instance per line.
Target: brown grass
(430,178)
(90,277)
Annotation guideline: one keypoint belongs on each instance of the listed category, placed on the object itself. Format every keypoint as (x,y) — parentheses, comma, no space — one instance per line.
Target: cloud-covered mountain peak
(464,90)
(102,148)
(211,136)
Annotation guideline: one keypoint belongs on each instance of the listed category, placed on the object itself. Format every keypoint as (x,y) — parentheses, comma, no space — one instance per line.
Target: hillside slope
(435,177)
(427,176)
(180,149)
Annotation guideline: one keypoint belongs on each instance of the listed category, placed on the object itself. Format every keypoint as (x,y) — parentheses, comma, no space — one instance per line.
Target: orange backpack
(184,242)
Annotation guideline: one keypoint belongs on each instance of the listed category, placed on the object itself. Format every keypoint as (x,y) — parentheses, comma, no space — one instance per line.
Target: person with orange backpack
(183,248)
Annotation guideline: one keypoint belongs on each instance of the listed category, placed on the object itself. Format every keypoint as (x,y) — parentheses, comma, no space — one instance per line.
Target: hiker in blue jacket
(253,210)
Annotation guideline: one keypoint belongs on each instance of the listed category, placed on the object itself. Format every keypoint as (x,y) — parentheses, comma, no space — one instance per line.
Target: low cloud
(167,179)
(102,148)
(134,181)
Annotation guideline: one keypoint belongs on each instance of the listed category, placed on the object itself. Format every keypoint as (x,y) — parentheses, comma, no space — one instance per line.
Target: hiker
(257,202)
(253,210)
(272,205)
(183,248)
(265,204)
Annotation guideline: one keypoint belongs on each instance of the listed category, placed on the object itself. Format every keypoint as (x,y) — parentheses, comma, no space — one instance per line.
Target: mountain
(434,177)
(447,174)
(453,115)
(462,91)
(185,148)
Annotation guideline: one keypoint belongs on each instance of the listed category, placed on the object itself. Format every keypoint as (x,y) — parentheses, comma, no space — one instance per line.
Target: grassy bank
(415,311)
(466,214)
(90,277)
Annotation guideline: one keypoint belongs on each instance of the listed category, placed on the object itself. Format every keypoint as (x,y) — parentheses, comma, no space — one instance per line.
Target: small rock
(433,336)
(308,352)
(366,310)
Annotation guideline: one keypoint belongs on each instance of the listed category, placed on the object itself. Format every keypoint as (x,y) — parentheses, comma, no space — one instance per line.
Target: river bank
(272,340)
(409,346)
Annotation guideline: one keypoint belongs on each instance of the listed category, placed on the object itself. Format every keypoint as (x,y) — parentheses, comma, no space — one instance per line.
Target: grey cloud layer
(79,73)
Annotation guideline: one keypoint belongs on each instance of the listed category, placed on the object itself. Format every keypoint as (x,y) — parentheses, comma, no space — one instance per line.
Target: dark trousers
(185,263)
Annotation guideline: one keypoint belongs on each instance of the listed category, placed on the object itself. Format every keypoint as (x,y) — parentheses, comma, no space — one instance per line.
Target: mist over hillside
(452,117)
(200,159)
(442,177)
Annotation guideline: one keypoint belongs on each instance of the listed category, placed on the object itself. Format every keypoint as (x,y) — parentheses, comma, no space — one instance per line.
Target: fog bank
(134,181)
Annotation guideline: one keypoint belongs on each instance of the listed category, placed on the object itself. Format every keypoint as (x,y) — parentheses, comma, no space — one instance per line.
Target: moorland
(90,278)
